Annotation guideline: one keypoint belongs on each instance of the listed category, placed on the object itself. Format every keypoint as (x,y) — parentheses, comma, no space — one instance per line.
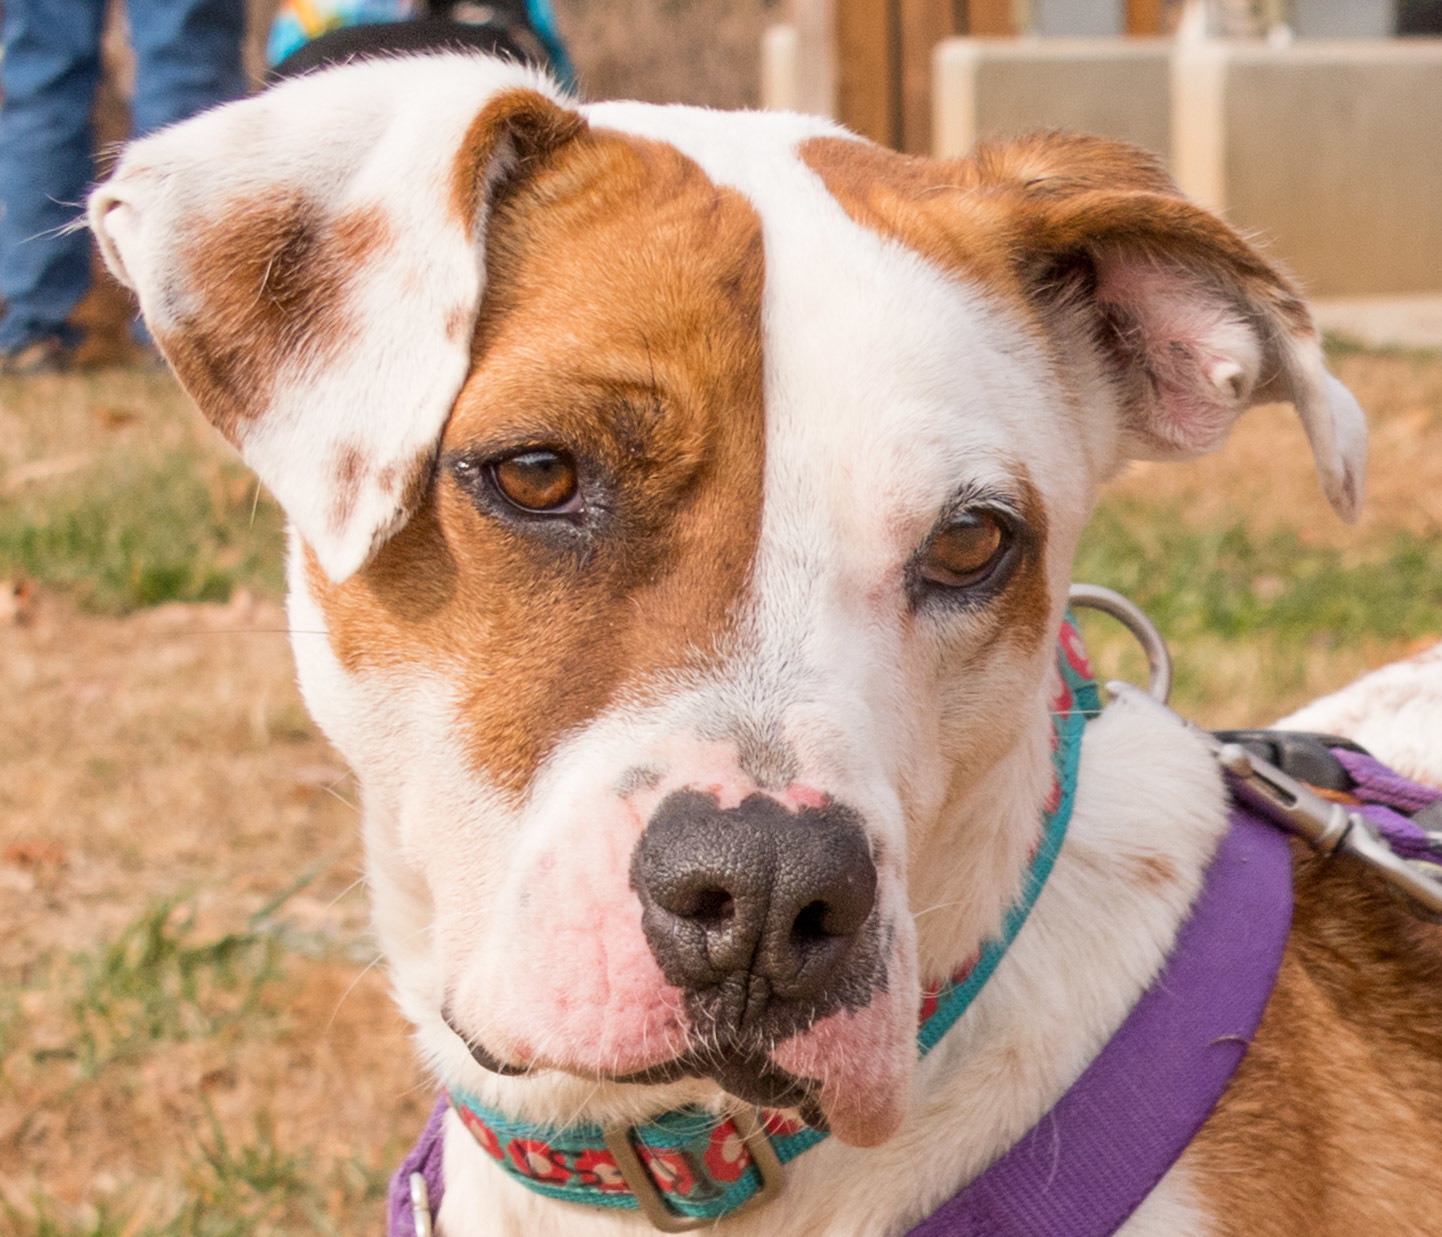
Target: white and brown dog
(683,509)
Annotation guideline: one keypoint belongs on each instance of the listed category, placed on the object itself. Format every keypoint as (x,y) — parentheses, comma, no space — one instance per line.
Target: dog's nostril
(839,913)
(709,907)
(809,926)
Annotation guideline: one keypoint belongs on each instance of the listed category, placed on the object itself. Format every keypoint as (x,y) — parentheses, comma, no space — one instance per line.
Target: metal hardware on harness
(1327,827)
(1135,620)
(653,1206)
(421,1206)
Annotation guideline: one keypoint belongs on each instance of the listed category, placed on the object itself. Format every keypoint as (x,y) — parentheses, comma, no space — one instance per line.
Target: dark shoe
(47,355)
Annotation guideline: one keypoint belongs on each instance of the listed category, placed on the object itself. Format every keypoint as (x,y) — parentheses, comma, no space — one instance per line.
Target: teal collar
(689,1167)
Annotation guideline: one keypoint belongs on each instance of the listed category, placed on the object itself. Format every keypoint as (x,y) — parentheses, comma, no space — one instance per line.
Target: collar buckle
(621,1144)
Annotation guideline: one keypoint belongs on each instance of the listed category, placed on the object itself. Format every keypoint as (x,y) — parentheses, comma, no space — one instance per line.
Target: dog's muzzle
(761,915)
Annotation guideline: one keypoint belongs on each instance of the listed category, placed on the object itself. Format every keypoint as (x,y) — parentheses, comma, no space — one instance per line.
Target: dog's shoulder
(1332,1122)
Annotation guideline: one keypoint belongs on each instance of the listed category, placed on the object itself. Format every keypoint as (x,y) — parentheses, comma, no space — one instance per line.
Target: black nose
(757,893)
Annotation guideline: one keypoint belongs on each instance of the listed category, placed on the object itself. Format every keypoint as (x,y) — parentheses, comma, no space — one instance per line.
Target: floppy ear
(1193,325)
(311,262)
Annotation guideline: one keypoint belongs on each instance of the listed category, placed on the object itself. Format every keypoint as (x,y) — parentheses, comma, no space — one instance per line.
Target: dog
(682,511)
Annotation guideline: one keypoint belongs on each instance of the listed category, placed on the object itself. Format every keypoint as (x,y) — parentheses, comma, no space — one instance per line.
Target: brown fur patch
(1332,1124)
(457,322)
(1027,220)
(526,122)
(266,279)
(1155,872)
(621,323)
(1024,607)
(348,475)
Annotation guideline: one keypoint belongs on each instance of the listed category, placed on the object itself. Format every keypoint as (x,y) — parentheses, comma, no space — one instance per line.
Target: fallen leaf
(32,854)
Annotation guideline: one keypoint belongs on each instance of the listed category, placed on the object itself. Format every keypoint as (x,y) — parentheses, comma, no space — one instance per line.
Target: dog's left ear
(311,263)
(1193,324)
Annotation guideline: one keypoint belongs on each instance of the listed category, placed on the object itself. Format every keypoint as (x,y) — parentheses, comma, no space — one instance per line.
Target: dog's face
(684,507)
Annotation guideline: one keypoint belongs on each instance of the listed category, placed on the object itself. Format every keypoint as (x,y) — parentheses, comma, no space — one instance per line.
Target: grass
(1237,585)
(1246,611)
(157,983)
(122,1010)
(1339,344)
(184,527)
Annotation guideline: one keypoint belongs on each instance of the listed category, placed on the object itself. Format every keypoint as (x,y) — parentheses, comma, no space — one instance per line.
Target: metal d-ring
(1135,620)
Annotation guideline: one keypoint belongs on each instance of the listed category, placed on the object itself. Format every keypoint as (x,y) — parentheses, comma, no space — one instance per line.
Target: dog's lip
(483,1056)
(749,1075)
(746,1073)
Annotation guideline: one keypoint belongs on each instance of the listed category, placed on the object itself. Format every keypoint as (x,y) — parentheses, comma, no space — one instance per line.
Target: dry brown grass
(158,756)
(167,755)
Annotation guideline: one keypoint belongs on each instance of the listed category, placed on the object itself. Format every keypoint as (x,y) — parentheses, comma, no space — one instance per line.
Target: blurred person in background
(187,57)
(307,34)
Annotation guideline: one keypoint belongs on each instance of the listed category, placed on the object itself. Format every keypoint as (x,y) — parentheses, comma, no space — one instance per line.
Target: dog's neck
(987,834)
(1099,932)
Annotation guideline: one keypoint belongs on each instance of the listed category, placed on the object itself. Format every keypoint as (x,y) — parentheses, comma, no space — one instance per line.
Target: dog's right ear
(311,263)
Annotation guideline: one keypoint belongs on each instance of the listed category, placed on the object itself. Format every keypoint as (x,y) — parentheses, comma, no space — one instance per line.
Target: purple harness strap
(1385,795)
(426,1158)
(1099,1152)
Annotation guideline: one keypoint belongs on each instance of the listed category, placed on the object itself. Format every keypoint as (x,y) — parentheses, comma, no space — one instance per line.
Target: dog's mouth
(742,1070)
(747,1073)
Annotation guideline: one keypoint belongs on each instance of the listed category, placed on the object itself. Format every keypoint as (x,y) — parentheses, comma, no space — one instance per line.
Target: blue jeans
(188,57)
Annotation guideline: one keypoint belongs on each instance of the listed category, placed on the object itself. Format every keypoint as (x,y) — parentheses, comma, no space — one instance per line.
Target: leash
(1390,823)
(1102,1148)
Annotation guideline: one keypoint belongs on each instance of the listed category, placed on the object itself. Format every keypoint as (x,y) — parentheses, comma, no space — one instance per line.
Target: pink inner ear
(1195,359)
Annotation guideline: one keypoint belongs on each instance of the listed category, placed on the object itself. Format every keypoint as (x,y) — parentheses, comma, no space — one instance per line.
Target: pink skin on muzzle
(864,1061)
(580,990)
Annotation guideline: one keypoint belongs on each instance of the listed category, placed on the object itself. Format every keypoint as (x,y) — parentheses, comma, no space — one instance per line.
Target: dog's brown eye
(537,480)
(966,550)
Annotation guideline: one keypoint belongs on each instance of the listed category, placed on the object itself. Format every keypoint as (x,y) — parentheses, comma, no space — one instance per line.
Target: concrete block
(1078,18)
(1342,19)
(1330,151)
(798,71)
(992,87)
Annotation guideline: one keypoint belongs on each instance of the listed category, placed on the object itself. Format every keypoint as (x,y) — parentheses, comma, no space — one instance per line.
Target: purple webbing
(1089,1163)
(1385,796)
(426,1158)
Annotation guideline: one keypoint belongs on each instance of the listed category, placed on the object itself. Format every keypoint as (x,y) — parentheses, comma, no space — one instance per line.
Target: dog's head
(683,511)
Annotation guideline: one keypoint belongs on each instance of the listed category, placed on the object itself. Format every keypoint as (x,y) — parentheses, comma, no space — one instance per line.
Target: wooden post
(990,17)
(924,24)
(882,58)
(1144,16)
(815,58)
(868,78)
